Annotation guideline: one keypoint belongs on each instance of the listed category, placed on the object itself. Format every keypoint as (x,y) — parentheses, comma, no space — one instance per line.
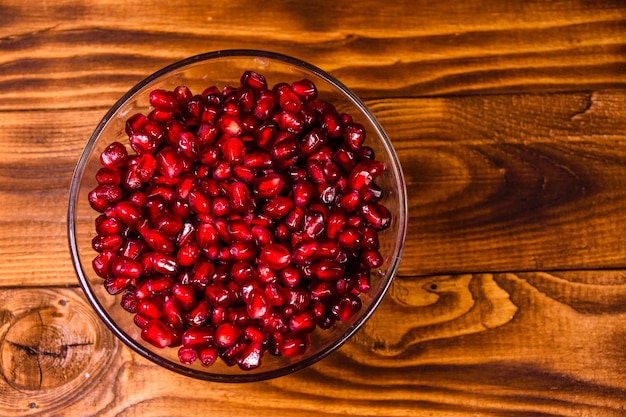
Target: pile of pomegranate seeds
(243,219)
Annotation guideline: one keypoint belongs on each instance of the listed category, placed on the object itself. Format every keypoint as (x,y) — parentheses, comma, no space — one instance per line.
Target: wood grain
(89,56)
(495,183)
(471,344)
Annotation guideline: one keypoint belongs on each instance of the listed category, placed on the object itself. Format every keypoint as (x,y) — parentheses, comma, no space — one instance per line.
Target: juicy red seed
(242,272)
(108,176)
(329,270)
(371,258)
(115,285)
(302,321)
(198,337)
(114,155)
(135,123)
(290,276)
(254,80)
(239,197)
(304,252)
(354,136)
(275,256)
(290,122)
(159,241)
(350,238)
(321,290)
(242,251)
(377,215)
(261,235)
(159,284)
(162,263)
(188,254)
(239,231)
(187,355)
(278,207)
(332,124)
(285,149)
(293,344)
(302,192)
(314,225)
(184,295)
(143,143)
(156,333)
(345,306)
(264,107)
(258,159)
(268,186)
(123,267)
(226,335)
(164,100)
(129,302)
(250,357)
(112,242)
(149,309)
(169,162)
(312,141)
(233,150)
(295,218)
(257,304)
(199,314)
(350,201)
(208,356)
(305,89)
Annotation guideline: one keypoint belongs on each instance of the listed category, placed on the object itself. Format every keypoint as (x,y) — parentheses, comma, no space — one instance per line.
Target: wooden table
(509,118)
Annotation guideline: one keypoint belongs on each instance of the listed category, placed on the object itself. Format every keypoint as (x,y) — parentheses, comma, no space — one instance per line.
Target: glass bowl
(224,68)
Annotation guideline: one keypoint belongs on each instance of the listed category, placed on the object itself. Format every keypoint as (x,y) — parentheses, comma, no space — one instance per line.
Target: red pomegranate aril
(329,270)
(345,306)
(163,100)
(135,123)
(350,201)
(188,254)
(259,159)
(239,231)
(184,295)
(345,158)
(303,191)
(198,315)
(257,304)
(377,215)
(163,263)
(242,273)
(115,285)
(354,136)
(112,242)
(128,302)
(295,218)
(305,89)
(242,251)
(239,197)
(278,207)
(282,233)
(250,357)
(290,122)
(293,344)
(327,249)
(226,334)
(156,333)
(314,225)
(107,226)
(187,355)
(254,80)
(312,141)
(268,186)
(218,295)
(350,238)
(302,321)
(336,223)
(321,290)
(276,256)
(298,298)
(104,196)
(198,337)
(159,241)
(332,124)
(172,315)
(371,258)
(114,155)
(285,149)
(304,252)
(208,356)
(149,309)
(108,176)
(290,276)
(261,236)
(123,267)
(264,107)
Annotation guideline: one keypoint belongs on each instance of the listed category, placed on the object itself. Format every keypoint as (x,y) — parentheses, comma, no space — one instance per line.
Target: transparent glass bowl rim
(242,377)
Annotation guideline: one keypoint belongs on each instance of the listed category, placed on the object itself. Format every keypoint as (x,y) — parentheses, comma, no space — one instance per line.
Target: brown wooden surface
(510,121)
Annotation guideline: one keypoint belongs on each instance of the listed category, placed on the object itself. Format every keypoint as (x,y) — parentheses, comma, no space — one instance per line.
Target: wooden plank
(496,183)
(472,344)
(89,56)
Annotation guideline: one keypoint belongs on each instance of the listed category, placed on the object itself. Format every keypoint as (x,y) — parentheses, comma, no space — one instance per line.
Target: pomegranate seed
(304,252)
(116,285)
(208,356)
(313,140)
(187,355)
(156,333)
(268,186)
(302,321)
(114,155)
(278,207)
(123,267)
(254,80)
(135,123)
(275,256)
(163,100)
(345,306)
(257,306)
(329,270)
(199,314)
(239,197)
(226,335)
(305,89)
(371,258)
(377,215)
(250,356)
(293,344)
(184,295)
